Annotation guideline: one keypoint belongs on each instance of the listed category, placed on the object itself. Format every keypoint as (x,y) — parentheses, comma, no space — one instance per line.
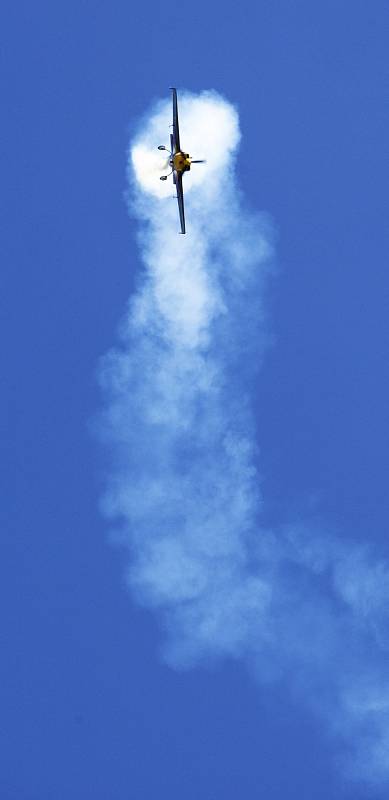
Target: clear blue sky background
(88,711)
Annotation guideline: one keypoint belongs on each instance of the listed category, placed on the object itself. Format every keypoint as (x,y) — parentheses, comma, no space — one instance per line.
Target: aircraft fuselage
(181,162)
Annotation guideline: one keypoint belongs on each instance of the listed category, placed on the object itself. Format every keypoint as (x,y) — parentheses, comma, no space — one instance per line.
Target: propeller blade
(198,161)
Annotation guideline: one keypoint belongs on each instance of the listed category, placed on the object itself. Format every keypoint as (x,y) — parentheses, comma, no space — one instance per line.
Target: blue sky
(89,708)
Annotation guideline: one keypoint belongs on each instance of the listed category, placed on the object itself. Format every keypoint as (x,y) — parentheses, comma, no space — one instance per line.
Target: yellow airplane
(179,161)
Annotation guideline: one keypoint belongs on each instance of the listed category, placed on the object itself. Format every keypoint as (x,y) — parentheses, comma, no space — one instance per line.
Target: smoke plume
(297,605)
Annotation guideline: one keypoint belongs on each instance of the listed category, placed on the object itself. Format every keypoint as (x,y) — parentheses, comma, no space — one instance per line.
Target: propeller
(198,161)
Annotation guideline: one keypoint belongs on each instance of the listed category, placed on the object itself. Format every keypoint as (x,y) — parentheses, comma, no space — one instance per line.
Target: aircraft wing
(180,198)
(176,129)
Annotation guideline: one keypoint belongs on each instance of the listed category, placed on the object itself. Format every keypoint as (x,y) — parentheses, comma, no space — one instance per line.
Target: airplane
(179,161)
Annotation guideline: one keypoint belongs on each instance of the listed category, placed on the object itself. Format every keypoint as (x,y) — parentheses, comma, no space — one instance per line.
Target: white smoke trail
(183,479)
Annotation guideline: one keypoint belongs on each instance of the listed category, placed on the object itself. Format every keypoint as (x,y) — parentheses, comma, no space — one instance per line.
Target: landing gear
(162,147)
